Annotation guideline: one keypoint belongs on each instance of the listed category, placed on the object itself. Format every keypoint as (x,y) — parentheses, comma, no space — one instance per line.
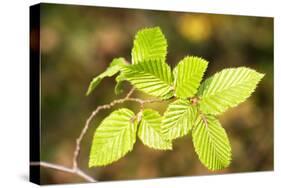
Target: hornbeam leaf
(114,138)
(227,89)
(188,75)
(149,131)
(178,119)
(211,142)
(149,44)
(153,77)
(114,67)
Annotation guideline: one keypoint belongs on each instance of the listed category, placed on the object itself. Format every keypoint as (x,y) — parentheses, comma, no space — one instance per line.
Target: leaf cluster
(194,109)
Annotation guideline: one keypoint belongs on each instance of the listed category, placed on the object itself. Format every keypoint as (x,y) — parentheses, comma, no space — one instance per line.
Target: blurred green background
(78,42)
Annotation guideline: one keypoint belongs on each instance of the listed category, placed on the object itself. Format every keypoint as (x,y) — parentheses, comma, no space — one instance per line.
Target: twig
(76,171)
(86,126)
(96,111)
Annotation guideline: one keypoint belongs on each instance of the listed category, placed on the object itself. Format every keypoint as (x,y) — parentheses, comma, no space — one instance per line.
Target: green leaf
(178,119)
(119,83)
(114,138)
(152,77)
(150,131)
(188,75)
(149,44)
(114,67)
(227,89)
(211,143)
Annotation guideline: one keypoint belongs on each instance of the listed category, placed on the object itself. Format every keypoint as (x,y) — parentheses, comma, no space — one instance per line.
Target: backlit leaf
(178,119)
(153,77)
(150,131)
(211,143)
(227,89)
(114,138)
(114,67)
(188,75)
(149,44)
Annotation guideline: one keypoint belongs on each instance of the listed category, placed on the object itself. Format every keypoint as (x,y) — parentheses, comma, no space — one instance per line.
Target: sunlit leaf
(211,143)
(150,131)
(114,138)
(119,83)
(178,119)
(153,77)
(227,89)
(113,68)
(149,44)
(188,75)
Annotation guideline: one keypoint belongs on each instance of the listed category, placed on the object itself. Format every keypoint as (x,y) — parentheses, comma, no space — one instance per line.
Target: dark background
(78,43)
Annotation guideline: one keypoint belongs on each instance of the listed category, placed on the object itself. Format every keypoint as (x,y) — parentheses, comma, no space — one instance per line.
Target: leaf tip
(91,163)
(170,147)
(261,75)
(88,92)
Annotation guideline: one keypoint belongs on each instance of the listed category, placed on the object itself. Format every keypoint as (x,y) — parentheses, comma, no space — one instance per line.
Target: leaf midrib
(212,141)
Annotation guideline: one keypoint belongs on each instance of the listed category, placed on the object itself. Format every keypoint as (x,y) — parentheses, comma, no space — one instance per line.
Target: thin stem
(76,171)
(88,121)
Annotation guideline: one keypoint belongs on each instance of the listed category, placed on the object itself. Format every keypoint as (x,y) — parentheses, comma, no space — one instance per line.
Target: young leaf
(119,83)
(211,143)
(178,119)
(149,44)
(227,89)
(114,138)
(114,67)
(188,75)
(153,77)
(150,131)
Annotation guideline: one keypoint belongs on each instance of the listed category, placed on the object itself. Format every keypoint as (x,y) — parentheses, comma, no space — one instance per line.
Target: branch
(75,171)
(88,121)
(96,111)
